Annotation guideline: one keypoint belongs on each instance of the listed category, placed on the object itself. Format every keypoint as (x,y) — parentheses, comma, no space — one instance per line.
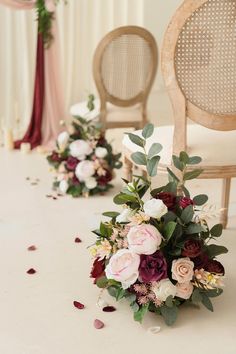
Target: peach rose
(123,267)
(182,270)
(184,290)
(144,239)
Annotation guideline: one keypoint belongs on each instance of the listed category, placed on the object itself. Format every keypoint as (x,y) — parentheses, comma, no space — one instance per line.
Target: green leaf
(134,306)
(154,150)
(136,139)
(169,230)
(155,191)
(138,315)
(139,158)
(148,130)
(192,174)
(196,296)
(214,292)
(200,199)
(187,214)
(112,290)
(178,164)
(123,198)
(207,302)
(216,250)
(194,229)
(176,252)
(120,294)
(183,156)
(111,214)
(172,175)
(186,192)
(131,298)
(169,301)
(171,187)
(102,282)
(170,216)
(216,230)
(194,160)
(169,314)
(152,166)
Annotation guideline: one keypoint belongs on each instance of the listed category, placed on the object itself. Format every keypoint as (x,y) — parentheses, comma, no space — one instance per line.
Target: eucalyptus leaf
(169,230)
(194,160)
(169,314)
(200,199)
(152,166)
(187,214)
(183,156)
(169,301)
(177,163)
(111,214)
(216,250)
(172,175)
(207,302)
(196,296)
(148,130)
(192,174)
(216,230)
(138,315)
(136,140)
(154,150)
(139,158)
(102,282)
(194,229)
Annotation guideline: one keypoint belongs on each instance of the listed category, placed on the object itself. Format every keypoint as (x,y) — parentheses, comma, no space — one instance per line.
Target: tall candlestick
(8,139)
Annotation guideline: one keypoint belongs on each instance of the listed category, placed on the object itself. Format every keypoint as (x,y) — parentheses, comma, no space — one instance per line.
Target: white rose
(80,149)
(155,208)
(63,186)
(84,170)
(125,215)
(90,182)
(123,267)
(62,140)
(101,152)
(163,289)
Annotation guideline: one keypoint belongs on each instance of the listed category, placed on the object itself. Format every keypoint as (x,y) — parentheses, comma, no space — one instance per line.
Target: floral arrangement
(158,252)
(83,159)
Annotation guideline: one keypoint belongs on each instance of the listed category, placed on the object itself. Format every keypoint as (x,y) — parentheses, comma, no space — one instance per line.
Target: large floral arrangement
(83,159)
(158,252)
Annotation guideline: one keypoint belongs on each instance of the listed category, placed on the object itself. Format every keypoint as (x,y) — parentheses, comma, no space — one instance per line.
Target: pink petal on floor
(32,248)
(78,305)
(31,271)
(98,324)
(78,240)
(109,309)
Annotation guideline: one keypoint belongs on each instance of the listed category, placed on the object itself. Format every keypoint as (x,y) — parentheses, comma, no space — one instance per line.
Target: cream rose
(80,149)
(163,289)
(182,270)
(144,239)
(184,290)
(62,140)
(155,208)
(63,186)
(84,170)
(90,182)
(123,267)
(125,215)
(100,152)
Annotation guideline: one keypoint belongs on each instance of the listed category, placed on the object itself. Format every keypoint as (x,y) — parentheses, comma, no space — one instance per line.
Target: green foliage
(216,230)
(154,150)
(138,315)
(169,314)
(215,250)
(147,130)
(187,214)
(169,230)
(111,214)
(194,228)
(207,302)
(139,158)
(136,140)
(200,199)
(192,174)
(152,165)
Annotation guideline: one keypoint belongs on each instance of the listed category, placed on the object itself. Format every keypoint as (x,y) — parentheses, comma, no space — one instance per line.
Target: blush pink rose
(182,270)
(123,267)
(184,290)
(144,239)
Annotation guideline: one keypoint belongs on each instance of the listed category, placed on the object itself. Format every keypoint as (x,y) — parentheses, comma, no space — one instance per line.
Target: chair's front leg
(225,202)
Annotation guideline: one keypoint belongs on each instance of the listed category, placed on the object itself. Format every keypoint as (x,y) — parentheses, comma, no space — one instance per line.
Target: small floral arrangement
(83,160)
(158,252)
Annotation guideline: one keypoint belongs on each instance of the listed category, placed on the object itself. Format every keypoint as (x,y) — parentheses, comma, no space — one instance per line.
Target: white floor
(36,311)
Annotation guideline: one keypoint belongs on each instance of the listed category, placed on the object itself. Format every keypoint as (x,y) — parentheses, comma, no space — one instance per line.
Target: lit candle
(8,139)
(25,148)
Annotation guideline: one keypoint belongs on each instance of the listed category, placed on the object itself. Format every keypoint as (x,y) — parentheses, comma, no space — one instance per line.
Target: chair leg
(127,168)
(225,202)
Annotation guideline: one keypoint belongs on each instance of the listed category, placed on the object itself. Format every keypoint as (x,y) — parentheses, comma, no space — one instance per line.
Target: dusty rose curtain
(19,4)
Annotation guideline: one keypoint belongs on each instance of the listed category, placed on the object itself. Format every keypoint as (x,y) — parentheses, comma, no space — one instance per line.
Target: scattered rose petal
(154,330)
(77,240)
(109,309)
(98,324)
(78,305)
(54,198)
(32,248)
(31,271)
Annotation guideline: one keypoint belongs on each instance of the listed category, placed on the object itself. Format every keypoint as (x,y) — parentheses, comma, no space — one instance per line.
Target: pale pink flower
(182,270)
(144,239)
(184,290)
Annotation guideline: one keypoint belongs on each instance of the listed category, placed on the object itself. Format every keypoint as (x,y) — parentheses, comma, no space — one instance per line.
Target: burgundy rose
(97,269)
(192,248)
(71,163)
(103,180)
(101,141)
(167,198)
(55,157)
(75,181)
(152,267)
(185,201)
(214,266)
(200,261)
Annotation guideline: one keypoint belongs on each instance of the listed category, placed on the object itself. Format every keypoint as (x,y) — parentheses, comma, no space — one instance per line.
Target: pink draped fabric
(19,4)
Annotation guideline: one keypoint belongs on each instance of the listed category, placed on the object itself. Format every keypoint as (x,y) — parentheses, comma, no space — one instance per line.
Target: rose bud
(71,163)
(192,248)
(185,201)
(168,199)
(97,269)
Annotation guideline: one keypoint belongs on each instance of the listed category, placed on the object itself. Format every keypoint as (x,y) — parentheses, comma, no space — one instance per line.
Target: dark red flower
(78,305)
(31,271)
(185,201)
(71,163)
(200,261)
(75,181)
(168,199)
(103,180)
(97,269)
(55,157)
(101,141)
(213,266)
(109,309)
(77,240)
(192,248)
(152,267)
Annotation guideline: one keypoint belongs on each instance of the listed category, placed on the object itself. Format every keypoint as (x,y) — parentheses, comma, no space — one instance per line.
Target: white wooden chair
(199,69)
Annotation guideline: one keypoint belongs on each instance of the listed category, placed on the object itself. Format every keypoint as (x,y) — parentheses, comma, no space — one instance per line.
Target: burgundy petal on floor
(98,324)
(77,240)
(32,248)
(109,309)
(78,305)
(31,271)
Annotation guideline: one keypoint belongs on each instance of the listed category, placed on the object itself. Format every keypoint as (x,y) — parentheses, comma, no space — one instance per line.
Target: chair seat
(217,149)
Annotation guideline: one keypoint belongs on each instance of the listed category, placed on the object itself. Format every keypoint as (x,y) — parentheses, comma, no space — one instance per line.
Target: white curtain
(82,23)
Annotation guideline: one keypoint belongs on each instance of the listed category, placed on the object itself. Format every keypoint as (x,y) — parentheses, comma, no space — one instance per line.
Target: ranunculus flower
(63,186)
(100,152)
(185,201)
(125,215)
(101,141)
(182,270)
(103,180)
(62,140)
(98,269)
(75,181)
(213,266)
(163,289)
(55,157)
(152,267)
(80,149)
(168,199)
(155,208)
(123,267)
(84,169)
(200,261)
(90,182)
(192,248)
(71,163)
(184,290)
(144,239)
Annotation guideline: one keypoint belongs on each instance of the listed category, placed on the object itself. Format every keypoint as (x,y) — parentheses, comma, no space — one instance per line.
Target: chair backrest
(124,66)
(199,64)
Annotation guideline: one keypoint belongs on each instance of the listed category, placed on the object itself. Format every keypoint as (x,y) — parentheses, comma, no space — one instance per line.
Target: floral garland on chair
(156,253)
(83,160)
